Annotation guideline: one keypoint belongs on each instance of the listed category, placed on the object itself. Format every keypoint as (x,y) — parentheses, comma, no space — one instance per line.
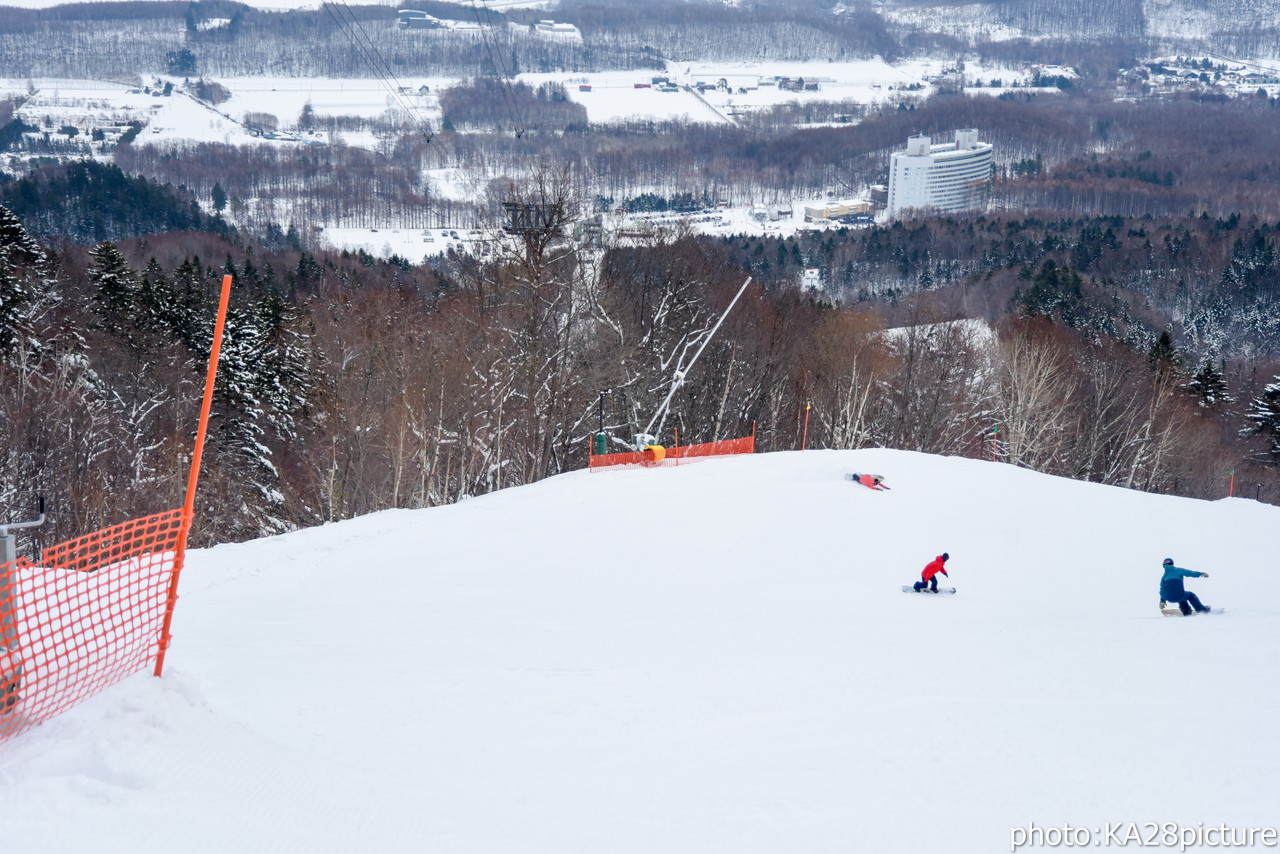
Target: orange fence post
(189,508)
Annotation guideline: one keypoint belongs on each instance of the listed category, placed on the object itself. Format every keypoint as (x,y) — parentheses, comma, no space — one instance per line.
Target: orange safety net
(672,456)
(88,615)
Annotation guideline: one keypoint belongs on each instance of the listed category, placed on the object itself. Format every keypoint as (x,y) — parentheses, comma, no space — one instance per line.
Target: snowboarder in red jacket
(870,481)
(929,577)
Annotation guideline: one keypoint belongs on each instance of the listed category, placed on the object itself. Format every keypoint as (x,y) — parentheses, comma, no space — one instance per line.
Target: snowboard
(907,588)
(1174,612)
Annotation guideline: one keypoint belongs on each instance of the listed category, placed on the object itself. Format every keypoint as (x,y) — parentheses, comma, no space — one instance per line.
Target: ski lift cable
(377,64)
(367,51)
(380,66)
(349,30)
(507,89)
(384,72)
(677,379)
(508,94)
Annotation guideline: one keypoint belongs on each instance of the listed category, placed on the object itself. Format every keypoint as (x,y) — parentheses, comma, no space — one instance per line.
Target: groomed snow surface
(711,658)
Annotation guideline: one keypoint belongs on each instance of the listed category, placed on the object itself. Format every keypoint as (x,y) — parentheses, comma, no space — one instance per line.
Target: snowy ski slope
(711,658)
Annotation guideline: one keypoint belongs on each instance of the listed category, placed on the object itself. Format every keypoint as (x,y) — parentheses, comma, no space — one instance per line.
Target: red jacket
(935,566)
(870,481)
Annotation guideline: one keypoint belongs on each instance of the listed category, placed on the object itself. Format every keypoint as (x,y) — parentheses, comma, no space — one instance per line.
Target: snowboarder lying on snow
(870,481)
(929,577)
(1171,589)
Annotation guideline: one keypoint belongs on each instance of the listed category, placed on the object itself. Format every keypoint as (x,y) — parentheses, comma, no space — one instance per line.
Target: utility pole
(602,441)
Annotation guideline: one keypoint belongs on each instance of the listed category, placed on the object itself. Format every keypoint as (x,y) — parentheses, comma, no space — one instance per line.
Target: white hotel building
(953,176)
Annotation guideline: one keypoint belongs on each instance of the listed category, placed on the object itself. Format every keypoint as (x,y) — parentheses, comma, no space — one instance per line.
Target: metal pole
(8,543)
(8,625)
(8,549)
(678,379)
(8,554)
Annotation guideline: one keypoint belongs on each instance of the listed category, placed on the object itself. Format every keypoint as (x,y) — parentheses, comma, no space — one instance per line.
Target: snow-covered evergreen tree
(265,380)
(1264,414)
(116,295)
(186,315)
(1209,385)
(1163,356)
(25,284)
(240,425)
(55,424)
(285,376)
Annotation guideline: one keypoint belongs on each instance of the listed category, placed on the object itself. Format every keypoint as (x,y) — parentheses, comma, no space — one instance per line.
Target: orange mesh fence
(745,445)
(88,615)
(673,456)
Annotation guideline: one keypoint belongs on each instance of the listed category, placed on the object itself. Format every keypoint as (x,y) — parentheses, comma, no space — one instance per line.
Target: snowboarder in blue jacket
(1171,589)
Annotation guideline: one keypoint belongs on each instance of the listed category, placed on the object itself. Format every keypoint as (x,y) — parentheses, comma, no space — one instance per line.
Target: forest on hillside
(351,384)
(119,40)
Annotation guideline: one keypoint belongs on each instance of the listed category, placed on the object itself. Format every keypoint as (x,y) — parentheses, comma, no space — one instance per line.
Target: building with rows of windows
(952,176)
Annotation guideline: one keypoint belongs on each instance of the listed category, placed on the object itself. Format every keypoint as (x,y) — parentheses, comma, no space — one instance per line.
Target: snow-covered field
(748,87)
(710,658)
(178,117)
(412,244)
(612,95)
(275,104)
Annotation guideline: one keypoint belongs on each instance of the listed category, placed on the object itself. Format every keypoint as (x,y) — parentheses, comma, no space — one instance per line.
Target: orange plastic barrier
(97,608)
(90,614)
(673,455)
(745,445)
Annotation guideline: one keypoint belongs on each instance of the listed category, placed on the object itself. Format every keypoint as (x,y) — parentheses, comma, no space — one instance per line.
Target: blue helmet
(1168,561)
(946,556)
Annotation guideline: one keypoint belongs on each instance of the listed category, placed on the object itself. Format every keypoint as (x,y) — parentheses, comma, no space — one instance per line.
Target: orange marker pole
(804,438)
(189,508)
(1231,487)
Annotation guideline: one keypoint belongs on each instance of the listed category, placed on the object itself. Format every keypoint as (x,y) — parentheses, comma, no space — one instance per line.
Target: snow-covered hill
(710,658)
(1222,25)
